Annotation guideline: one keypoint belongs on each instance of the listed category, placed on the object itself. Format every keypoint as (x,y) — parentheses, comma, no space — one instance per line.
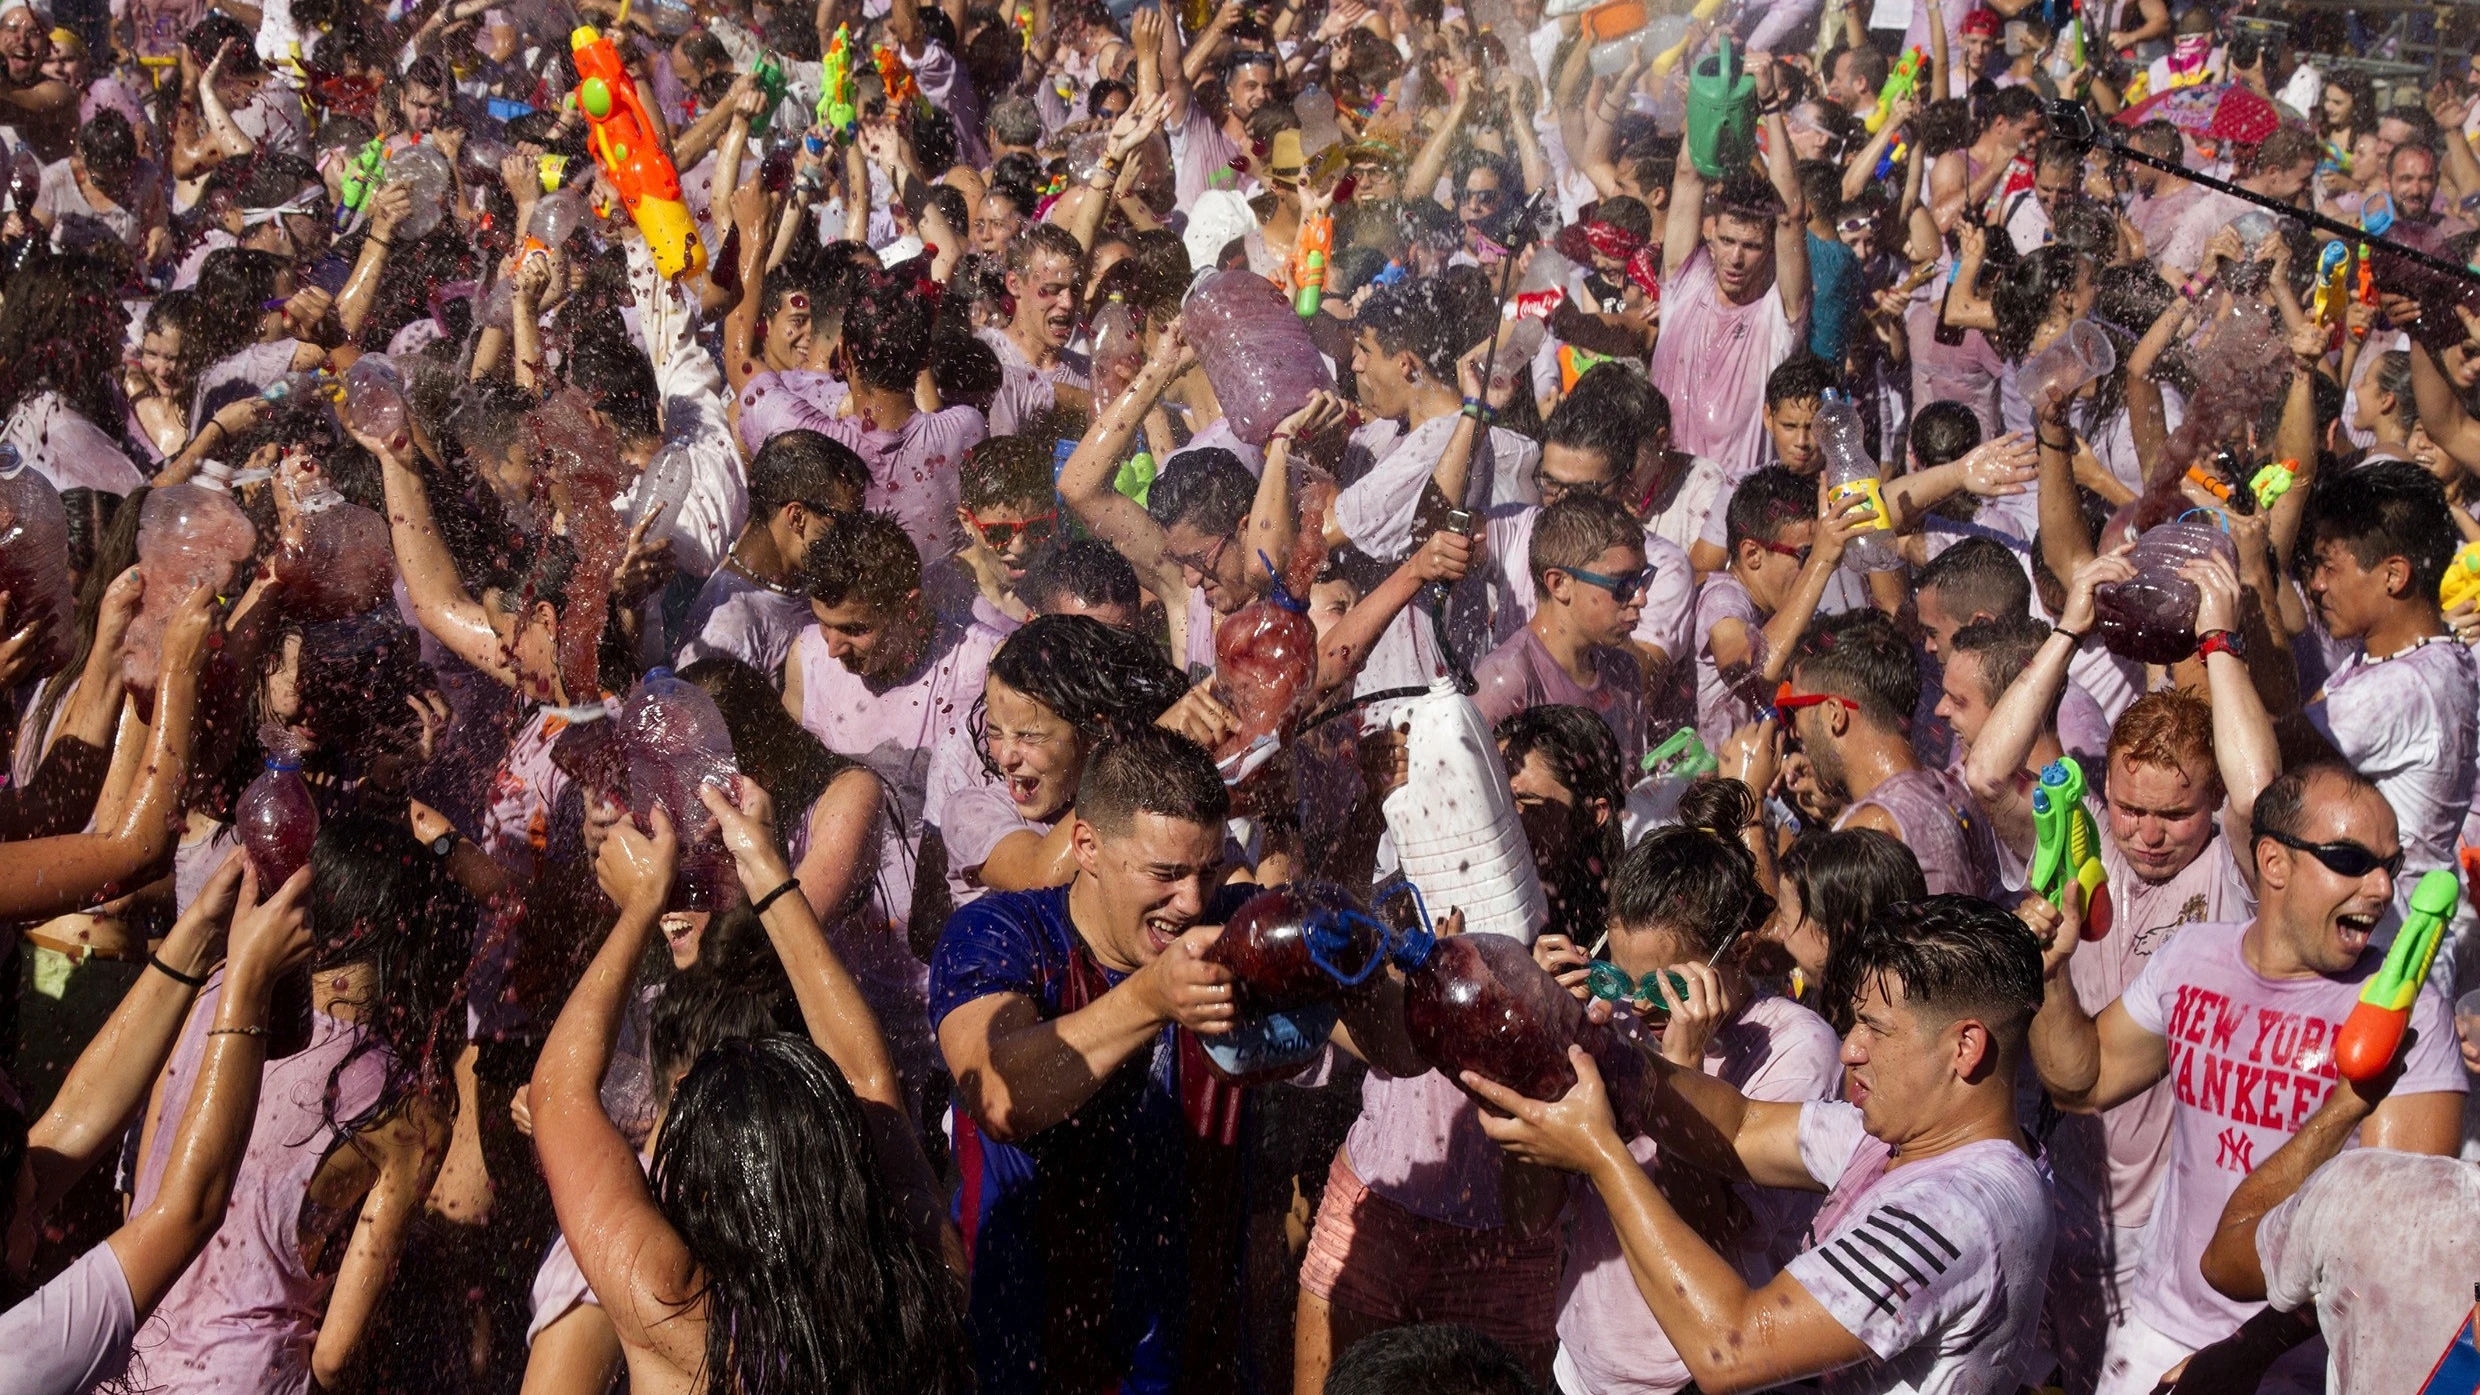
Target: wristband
(375,241)
(2067,446)
(259,1032)
(2221,642)
(187,980)
(790,884)
(2079,636)
(1480,411)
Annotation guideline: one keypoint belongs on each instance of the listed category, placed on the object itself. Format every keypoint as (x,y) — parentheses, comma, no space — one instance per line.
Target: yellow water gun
(632,162)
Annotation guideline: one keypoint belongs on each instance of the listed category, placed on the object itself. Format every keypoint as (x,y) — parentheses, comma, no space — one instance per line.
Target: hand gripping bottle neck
(2067,845)
(2374,1031)
(632,162)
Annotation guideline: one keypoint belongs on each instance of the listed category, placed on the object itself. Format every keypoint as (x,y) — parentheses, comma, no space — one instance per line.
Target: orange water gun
(897,78)
(632,162)
(2373,1033)
(1309,263)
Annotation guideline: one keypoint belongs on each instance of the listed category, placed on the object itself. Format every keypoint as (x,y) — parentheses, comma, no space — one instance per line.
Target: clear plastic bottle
(1851,475)
(1454,821)
(1265,661)
(659,491)
(425,171)
(1315,107)
(343,563)
(374,397)
(554,218)
(677,742)
(189,534)
(1256,353)
(2151,616)
(34,559)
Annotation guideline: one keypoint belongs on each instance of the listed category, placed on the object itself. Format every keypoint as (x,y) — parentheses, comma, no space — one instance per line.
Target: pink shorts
(1381,1261)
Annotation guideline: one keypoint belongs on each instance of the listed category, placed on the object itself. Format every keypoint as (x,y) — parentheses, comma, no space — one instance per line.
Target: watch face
(444,844)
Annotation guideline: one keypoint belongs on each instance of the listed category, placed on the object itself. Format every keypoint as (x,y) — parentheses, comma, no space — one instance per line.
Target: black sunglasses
(2342,859)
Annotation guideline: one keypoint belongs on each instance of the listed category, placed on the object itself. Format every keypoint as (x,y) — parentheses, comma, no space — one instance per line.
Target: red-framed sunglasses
(1799,554)
(1787,702)
(1002,531)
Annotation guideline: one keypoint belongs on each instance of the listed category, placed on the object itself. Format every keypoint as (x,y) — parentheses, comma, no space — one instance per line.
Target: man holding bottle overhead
(1935,1232)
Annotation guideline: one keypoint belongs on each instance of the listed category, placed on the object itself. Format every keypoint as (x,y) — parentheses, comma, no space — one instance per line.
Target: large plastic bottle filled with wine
(342,564)
(1255,351)
(677,742)
(189,534)
(1294,952)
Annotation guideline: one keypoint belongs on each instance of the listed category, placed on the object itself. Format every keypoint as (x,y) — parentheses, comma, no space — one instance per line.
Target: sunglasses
(1002,531)
(1623,588)
(1203,564)
(2342,859)
(1785,550)
(1787,702)
(1553,489)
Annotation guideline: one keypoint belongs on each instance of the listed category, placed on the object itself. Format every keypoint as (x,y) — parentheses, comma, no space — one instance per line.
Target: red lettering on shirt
(2186,1088)
(2306,1095)
(2237,1151)
(2266,1018)
(2178,1013)
(2315,1050)
(2216,1096)
(2270,1109)
(2243,1100)
(2227,1016)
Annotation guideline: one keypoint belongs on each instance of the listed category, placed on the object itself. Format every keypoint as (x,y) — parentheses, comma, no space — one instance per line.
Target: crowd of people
(619,783)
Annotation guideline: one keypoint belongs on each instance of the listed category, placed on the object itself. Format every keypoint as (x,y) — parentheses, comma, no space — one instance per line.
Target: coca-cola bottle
(2151,616)
(1294,953)
(189,534)
(341,564)
(34,559)
(677,743)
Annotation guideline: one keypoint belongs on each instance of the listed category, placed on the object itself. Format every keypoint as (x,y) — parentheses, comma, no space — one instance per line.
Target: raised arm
(1791,284)
(1085,481)
(2088,1064)
(158,1243)
(1683,224)
(2244,748)
(2023,710)
(1446,558)
(441,604)
(1428,167)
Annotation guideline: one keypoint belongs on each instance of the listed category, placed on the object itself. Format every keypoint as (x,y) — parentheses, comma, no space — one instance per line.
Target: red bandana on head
(1578,242)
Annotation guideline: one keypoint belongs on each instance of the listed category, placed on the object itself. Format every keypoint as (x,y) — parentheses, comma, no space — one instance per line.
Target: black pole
(2072,120)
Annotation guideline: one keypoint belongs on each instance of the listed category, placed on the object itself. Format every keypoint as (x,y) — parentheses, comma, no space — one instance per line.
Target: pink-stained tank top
(243,1319)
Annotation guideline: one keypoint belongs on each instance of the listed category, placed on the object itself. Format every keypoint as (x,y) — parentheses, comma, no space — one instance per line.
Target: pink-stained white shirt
(2250,1058)
(1712,361)
(73,1333)
(2378,1241)
(775,402)
(1026,390)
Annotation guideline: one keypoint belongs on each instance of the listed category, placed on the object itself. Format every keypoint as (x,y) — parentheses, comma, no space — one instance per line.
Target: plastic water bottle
(1315,107)
(1265,658)
(677,742)
(1255,351)
(374,397)
(1454,822)
(659,491)
(343,563)
(2151,616)
(275,818)
(34,559)
(1852,475)
(425,171)
(189,534)
(554,218)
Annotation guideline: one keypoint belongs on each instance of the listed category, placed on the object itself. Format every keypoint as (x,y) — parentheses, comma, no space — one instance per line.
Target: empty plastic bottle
(677,742)
(342,563)
(1851,475)
(659,491)
(423,170)
(1511,364)
(189,534)
(1315,107)
(2151,616)
(554,219)
(374,397)
(1454,822)
(1256,353)
(34,559)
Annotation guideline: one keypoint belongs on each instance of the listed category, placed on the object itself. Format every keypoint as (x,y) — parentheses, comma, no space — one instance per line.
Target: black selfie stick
(2073,121)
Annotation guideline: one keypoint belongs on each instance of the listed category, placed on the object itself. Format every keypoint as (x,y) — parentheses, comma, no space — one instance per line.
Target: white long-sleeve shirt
(695,427)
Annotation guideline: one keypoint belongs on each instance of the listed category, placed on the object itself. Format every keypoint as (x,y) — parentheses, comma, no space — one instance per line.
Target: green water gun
(836,102)
(1683,755)
(768,76)
(362,178)
(2067,845)
(2374,1031)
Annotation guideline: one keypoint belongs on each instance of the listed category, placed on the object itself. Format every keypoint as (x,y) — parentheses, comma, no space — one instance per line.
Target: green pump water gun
(1683,755)
(362,178)
(768,75)
(2374,1031)
(837,109)
(2067,845)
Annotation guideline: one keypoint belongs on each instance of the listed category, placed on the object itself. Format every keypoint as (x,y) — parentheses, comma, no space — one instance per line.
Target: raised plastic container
(2151,616)
(1454,821)
(34,559)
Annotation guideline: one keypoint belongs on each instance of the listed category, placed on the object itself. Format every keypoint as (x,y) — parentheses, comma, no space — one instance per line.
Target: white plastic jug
(1454,821)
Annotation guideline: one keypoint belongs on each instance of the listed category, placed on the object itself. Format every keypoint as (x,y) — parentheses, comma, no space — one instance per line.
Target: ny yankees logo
(2237,1152)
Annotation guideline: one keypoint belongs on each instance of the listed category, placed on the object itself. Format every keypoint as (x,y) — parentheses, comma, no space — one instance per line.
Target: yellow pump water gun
(632,162)
(1669,58)
(2462,581)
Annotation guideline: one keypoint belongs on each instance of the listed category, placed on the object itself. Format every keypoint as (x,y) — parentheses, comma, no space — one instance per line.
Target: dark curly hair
(1102,681)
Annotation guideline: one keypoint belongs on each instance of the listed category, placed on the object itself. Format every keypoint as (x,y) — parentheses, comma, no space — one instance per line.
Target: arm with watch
(2244,750)
(2022,712)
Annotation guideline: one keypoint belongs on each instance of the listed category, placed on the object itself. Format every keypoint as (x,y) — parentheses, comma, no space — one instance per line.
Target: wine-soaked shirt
(1027,390)
(1609,1343)
(2386,1245)
(1937,1266)
(792,399)
(1521,673)
(1712,361)
(737,616)
(71,1334)
(1727,701)
(2250,1058)
(1958,852)
(2411,724)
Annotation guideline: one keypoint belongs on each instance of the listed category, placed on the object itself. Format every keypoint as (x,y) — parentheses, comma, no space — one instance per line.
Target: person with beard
(2242,1016)
(1854,682)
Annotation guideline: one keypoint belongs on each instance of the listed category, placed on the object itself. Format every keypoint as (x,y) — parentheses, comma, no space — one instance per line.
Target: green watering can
(1722,113)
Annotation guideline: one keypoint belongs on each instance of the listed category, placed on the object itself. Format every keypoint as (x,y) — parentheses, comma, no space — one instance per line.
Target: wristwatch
(443,845)
(2229,642)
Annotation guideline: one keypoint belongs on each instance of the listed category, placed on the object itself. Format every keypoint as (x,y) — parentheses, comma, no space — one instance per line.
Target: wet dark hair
(703,1005)
(615,373)
(1943,432)
(2006,648)
(1205,487)
(1433,1358)
(1977,576)
(810,1279)
(1576,530)
(1696,879)
(2282,807)
(1806,378)
(381,898)
(1843,877)
(807,468)
(2022,299)
(2392,508)
(1955,956)
(1104,682)
(1151,771)
(1431,317)
(886,334)
(1584,756)
(1767,502)
(1000,471)
(108,146)
(1088,569)
(1608,413)
(869,557)
(1862,656)
(60,331)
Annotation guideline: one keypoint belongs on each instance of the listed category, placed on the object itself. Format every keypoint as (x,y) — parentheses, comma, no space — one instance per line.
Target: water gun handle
(1899,84)
(2272,482)
(2373,1033)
